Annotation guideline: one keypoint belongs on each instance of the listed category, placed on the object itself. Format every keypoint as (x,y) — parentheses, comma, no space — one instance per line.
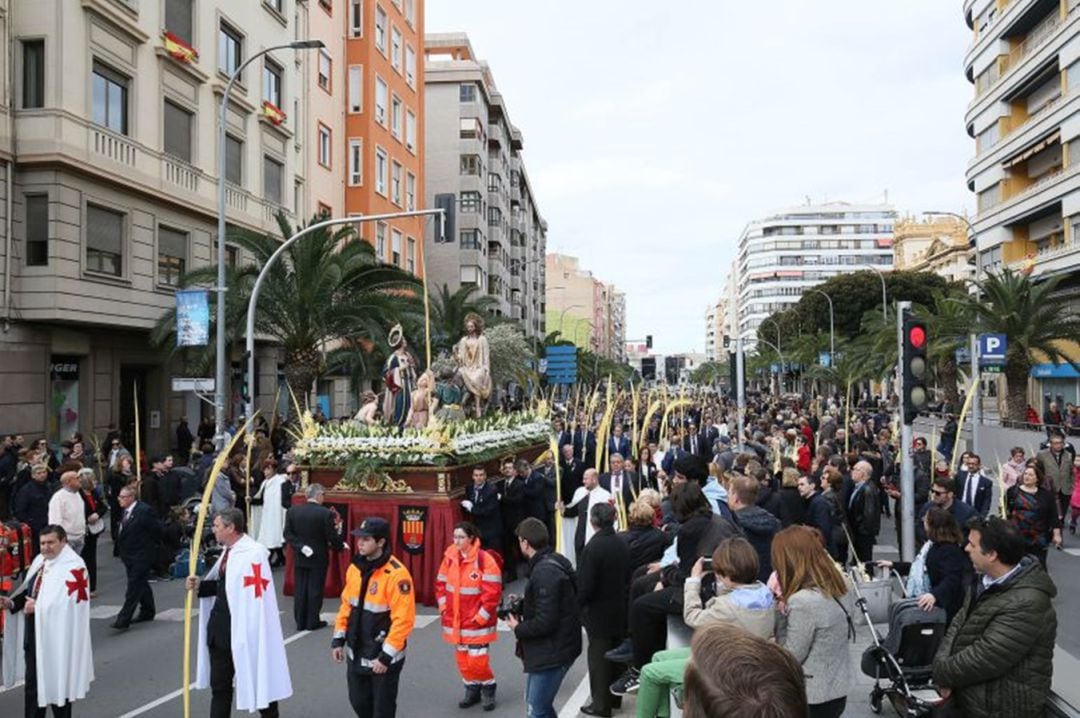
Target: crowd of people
(751,542)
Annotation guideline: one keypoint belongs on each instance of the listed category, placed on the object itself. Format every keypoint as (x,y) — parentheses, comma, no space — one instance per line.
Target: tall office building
(783,255)
(475,168)
(1024,62)
(715,326)
(111,193)
(383,107)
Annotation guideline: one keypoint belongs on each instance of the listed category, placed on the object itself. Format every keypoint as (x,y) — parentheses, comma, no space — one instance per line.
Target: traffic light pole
(906,515)
(740,391)
(976,399)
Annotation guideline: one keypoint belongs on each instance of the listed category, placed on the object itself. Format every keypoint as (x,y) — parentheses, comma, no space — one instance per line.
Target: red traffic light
(917,336)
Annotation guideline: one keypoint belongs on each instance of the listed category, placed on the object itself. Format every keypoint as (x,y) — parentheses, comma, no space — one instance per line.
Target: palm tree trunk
(302,368)
(949,379)
(1016,379)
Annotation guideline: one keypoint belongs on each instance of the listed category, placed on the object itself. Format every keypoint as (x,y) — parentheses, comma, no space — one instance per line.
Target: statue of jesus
(474,364)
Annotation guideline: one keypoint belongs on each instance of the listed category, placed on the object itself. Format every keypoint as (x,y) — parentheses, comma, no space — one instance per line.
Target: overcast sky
(655,131)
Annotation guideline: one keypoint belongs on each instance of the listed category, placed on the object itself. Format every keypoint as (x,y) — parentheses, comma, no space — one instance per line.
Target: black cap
(374,527)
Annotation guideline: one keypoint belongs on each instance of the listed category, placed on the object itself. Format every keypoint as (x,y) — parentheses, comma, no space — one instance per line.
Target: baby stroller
(904,659)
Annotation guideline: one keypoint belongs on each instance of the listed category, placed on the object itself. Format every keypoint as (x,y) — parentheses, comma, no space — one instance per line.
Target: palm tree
(1034,324)
(448,312)
(328,287)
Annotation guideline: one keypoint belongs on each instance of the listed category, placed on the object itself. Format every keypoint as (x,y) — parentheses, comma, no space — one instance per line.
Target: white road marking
(104,611)
(180,691)
(577,699)
(1072,551)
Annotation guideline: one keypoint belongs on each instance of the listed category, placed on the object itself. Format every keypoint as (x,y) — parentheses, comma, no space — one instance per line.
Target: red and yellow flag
(178,49)
(273,113)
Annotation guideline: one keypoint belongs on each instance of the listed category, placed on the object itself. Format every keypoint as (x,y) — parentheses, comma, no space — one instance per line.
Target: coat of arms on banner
(412,520)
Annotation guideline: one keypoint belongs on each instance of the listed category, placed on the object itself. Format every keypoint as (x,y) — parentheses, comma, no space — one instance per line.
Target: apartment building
(110,154)
(937,244)
(786,253)
(585,309)
(384,123)
(475,169)
(1024,63)
(716,345)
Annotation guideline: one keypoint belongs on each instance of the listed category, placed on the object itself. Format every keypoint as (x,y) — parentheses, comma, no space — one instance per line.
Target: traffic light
(916,397)
(648,341)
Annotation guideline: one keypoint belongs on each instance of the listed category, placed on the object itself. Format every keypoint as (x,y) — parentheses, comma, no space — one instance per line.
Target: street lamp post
(219,378)
(249,405)
(832,328)
(562,315)
(884,314)
(780,379)
(776,348)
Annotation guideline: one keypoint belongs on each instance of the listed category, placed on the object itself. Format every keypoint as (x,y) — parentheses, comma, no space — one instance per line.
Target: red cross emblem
(78,585)
(256,580)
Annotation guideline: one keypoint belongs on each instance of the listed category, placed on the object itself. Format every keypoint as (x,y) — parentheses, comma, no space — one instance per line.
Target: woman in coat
(815,622)
(1033,510)
(95,509)
(468,590)
(941,570)
(646,542)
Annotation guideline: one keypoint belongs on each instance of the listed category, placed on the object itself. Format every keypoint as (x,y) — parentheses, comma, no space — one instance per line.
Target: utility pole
(976,398)
(740,389)
(907,465)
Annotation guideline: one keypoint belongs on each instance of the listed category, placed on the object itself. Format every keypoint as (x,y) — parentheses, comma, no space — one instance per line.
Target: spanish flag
(178,49)
(273,113)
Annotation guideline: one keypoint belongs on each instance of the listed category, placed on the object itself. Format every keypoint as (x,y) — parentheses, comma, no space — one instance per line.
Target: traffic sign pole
(976,400)
(906,515)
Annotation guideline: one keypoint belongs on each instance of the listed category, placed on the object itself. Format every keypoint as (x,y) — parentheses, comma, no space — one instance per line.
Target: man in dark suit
(621,480)
(311,531)
(482,504)
(975,488)
(565,437)
(864,511)
(137,542)
(585,444)
(696,444)
(512,502)
(533,482)
(673,453)
(570,470)
(603,572)
(618,444)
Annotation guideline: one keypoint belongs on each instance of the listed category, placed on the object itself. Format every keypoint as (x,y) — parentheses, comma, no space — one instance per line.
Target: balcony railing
(181,174)
(1035,116)
(1034,41)
(113,146)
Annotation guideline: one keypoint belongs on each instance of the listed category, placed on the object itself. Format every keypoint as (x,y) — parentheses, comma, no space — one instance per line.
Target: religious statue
(446,399)
(474,363)
(369,409)
(399,374)
(421,399)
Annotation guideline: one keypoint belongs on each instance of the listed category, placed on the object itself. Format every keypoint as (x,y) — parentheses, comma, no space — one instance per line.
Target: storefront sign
(64,368)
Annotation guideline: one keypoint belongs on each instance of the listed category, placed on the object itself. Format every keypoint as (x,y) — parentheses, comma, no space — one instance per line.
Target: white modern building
(784,254)
(1024,63)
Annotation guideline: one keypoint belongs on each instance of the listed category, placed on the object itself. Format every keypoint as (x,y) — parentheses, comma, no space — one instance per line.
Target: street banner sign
(823,359)
(192,318)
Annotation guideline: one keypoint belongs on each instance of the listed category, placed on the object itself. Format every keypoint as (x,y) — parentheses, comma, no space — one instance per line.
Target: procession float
(408,455)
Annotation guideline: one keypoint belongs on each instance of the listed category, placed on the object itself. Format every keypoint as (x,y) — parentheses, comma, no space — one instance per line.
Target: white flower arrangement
(332,446)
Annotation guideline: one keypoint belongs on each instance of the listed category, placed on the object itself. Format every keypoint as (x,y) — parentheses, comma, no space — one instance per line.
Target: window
(324,145)
(410,66)
(494,217)
(356,88)
(172,255)
(380,29)
(987,138)
(395,248)
(104,240)
(327,5)
(110,98)
(471,165)
(410,255)
(470,202)
(273,175)
(380,241)
(381,92)
(178,126)
(272,73)
(410,192)
(410,11)
(471,239)
(356,18)
(395,117)
(230,49)
(380,170)
(234,160)
(395,48)
(277,5)
(395,184)
(33,74)
(356,161)
(178,14)
(410,131)
(471,129)
(468,93)
(37,230)
(324,69)
(323,210)
(232,254)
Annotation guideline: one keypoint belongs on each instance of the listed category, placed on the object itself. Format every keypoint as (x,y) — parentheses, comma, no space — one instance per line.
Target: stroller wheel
(875,700)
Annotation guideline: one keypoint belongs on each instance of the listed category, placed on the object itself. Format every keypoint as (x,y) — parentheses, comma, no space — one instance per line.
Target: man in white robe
(589,494)
(51,612)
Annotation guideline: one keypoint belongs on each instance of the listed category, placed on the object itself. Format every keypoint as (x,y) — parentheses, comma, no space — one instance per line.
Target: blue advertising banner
(192,318)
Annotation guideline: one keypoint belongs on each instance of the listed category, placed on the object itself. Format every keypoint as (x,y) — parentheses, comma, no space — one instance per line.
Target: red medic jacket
(468,590)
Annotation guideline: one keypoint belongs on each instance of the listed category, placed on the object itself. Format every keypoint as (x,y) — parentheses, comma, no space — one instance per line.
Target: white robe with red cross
(258,649)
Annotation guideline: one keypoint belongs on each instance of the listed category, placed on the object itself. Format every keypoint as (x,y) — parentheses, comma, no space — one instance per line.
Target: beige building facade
(584,309)
(110,147)
(939,245)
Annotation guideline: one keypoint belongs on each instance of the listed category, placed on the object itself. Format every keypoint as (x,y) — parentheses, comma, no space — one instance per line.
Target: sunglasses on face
(939,492)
